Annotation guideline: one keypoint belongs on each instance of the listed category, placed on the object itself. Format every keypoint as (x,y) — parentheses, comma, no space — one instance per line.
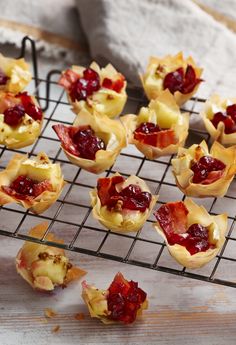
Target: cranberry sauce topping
(173,221)
(151,134)
(79,141)
(207,170)
(85,86)
(231,111)
(228,118)
(3,77)
(116,85)
(195,240)
(181,81)
(13,116)
(88,143)
(124,300)
(24,188)
(131,197)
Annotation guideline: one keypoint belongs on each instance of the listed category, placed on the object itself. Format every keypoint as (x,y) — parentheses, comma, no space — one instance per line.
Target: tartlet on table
(45,267)
(202,173)
(120,204)
(122,302)
(193,236)
(219,116)
(159,129)
(97,89)
(14,74)
(93,142)
(35,183)
(21,119)
(181,76)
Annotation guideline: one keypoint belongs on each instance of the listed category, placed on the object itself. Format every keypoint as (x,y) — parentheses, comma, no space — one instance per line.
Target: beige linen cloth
(127,32)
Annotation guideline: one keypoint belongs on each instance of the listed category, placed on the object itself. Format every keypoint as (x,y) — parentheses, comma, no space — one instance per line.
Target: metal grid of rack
(70,217)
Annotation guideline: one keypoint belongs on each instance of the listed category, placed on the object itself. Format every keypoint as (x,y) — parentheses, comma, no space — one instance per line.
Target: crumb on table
(56,329)
(50,313)
(79,316)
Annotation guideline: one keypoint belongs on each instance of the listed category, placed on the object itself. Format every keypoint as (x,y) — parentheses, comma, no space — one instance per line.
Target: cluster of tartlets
(93,142)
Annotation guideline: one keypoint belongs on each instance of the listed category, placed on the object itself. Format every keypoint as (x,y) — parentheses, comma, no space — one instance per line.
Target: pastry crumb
(79,316)
(50,313)
(56,329)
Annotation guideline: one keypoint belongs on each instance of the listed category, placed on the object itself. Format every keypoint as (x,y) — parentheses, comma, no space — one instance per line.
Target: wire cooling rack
(70,217)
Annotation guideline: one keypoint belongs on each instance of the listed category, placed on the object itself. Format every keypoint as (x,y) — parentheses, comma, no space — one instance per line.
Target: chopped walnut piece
(79,316)
(43,256)
(118,206)
(160,70)
(110,97)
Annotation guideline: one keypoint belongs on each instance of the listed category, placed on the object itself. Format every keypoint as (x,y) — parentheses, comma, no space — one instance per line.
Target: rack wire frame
(144,238)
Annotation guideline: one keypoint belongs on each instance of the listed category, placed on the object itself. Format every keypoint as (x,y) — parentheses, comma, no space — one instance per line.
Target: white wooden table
(180,310)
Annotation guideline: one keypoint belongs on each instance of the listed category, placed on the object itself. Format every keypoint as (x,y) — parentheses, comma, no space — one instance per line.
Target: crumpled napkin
(127,32)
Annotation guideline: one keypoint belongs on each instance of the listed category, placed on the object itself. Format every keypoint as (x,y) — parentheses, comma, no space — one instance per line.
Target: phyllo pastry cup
(122,205)
(97,89)
(192,236)
(33,183)
(159,129)
(181,76)
(45,267)
(122,302)
(21,119)
(14,74)
(219,116)
(201,173)
(93,142)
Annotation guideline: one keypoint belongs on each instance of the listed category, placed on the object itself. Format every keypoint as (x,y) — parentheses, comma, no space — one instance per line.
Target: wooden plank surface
(180,310)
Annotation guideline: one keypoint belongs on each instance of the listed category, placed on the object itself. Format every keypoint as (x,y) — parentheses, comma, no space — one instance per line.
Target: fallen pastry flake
(56,329)
(50,313)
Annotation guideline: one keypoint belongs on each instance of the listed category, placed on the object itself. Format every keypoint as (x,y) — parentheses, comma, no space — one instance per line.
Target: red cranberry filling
(88,143)
(151,134)
(197,230)
(107,83)
(231,111)
(116,85)
(24,187)
(80,141)
(131,197)
(174,80)
(207,170)
(3,78)
(124,300)
(85,86)
(181,81)
(228,118)
(195,241)
(13,116)
(195,238)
